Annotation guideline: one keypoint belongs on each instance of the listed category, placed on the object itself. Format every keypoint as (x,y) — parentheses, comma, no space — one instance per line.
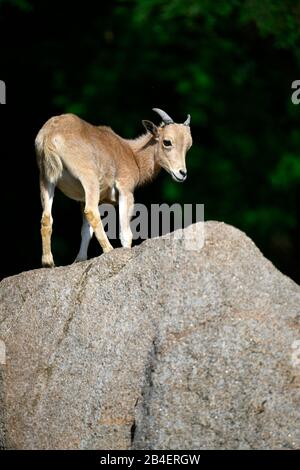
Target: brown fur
(93,164)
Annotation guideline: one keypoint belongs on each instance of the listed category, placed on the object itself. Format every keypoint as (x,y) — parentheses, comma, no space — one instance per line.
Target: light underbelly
(73,189)
(71,186)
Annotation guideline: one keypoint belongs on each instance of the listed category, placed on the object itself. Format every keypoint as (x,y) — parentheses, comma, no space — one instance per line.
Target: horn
(188,121)
(165,117)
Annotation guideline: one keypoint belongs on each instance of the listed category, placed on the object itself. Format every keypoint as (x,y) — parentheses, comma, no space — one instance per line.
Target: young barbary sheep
(93,164)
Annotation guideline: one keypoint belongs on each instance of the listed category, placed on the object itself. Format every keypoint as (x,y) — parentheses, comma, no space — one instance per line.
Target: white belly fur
(73,189)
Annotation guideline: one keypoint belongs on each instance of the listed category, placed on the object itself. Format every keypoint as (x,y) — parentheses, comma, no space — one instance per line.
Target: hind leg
(47,194)
(91,211)
(86,236)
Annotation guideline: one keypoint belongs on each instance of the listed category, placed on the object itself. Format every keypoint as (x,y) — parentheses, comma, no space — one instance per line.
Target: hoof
(47,262)
(48,265)
(79,260)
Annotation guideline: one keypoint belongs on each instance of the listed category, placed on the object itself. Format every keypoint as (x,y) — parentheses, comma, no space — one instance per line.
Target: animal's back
(69,149)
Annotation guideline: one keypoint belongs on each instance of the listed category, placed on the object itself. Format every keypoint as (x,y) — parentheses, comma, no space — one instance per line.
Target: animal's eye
(167,143)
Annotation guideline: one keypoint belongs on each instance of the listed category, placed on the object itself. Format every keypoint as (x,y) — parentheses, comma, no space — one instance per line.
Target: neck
(144,149)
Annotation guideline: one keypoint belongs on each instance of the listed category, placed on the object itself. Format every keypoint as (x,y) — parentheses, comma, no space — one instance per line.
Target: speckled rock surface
(159,347)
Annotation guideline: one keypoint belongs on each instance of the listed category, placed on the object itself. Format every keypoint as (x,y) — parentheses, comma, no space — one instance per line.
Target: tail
(48,160)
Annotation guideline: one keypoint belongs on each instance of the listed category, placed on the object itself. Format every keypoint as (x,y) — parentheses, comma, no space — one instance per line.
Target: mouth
(179,180)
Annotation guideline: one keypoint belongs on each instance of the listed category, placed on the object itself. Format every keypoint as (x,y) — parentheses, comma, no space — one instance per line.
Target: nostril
(182,172)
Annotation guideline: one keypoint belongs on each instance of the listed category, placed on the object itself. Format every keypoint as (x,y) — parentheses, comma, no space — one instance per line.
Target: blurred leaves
(230,64)
(275,18)
(287,172)
(23,5)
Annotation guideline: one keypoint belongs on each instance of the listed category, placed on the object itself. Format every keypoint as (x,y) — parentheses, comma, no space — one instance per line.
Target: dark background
(230,64)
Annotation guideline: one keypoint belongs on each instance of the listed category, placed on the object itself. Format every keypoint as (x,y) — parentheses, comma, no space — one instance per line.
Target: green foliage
(230,64)
(287,172)
(23,5)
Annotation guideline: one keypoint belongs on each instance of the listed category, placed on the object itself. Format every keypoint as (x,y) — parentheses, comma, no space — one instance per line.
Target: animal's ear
(150,127)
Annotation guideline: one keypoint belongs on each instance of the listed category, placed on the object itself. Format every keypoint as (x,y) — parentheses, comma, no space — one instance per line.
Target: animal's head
(173,142)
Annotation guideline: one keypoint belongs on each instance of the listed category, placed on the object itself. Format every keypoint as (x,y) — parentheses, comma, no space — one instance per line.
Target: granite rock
(160,347)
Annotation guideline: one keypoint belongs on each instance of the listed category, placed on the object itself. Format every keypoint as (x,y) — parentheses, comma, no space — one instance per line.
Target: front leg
(126,204)
(86,236)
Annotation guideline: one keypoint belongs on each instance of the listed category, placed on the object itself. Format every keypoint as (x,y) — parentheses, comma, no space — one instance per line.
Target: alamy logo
(296,94)
(2,92)
(160,220)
